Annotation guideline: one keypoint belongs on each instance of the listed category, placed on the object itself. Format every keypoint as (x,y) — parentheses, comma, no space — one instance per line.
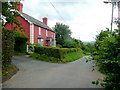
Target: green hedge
(20,42)
(55,52)
(7,47)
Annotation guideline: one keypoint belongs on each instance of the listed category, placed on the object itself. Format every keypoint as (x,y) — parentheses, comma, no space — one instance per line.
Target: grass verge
(72,57)
(16,53)
(7,73)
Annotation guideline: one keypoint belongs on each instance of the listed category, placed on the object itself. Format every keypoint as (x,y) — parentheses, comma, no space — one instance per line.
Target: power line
(56,10)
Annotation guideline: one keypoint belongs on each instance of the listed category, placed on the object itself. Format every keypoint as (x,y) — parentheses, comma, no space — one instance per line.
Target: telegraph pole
(118,3)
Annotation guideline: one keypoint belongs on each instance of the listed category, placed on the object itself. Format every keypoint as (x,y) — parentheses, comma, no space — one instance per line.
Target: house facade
(35,30)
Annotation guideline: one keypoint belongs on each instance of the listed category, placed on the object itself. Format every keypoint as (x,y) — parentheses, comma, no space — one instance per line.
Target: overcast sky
(84,17)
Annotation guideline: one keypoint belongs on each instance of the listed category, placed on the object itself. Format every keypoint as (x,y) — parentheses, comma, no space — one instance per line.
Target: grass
(67,58)
(72,56)
(16,53)
(7,71)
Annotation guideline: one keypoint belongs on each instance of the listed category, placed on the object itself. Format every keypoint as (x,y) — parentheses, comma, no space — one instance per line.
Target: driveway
(38,74)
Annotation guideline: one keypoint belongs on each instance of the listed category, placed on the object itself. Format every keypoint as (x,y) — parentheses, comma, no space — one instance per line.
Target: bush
(20,42)
(59,46)
(107,55)
(44,58)
(55,52)
(37,44)
(7,47)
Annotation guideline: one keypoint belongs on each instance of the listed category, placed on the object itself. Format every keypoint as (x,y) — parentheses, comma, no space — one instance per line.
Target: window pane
(39,31)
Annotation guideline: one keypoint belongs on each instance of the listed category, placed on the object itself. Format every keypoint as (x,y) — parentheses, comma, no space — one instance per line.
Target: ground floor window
(40,41)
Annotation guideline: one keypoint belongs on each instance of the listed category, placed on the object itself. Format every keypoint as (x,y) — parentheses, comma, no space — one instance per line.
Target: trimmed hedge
(7,47)
(55,52)
(20,42)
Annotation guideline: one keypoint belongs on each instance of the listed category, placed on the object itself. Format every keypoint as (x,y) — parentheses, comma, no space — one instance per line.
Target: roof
(48,38)
(35,21)
(40,37)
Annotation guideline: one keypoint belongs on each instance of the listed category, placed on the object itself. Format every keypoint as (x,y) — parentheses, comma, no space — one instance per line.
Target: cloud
(84,17)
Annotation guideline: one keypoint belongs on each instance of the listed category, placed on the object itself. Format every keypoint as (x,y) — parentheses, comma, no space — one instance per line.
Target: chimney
(45,20)
(19,7)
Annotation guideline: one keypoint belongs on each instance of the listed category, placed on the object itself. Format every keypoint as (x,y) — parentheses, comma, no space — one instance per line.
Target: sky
(85,18)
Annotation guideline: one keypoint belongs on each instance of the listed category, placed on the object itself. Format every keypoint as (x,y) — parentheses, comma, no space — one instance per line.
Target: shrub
(107,55)
(55,52)
(7,47)
(59,46)
(20,41)
(37,44)
(44,58)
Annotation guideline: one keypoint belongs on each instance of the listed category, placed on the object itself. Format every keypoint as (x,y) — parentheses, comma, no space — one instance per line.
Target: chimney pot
(45,20)
(19,6)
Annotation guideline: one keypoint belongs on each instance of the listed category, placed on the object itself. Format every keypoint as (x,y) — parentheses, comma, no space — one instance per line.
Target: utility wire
(56,11)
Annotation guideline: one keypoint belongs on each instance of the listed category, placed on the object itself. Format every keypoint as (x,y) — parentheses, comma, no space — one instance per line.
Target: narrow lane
(38,74)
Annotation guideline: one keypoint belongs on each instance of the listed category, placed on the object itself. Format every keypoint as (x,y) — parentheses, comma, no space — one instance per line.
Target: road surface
(38,74)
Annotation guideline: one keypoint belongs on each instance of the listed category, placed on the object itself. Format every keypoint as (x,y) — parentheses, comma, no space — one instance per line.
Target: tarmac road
(38,74)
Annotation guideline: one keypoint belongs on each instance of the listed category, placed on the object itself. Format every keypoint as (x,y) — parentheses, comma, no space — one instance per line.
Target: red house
(37,31)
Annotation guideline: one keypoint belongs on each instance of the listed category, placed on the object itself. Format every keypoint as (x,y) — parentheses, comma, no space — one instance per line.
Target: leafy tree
(10,13)
(70,43)
(108,57)
(62,33)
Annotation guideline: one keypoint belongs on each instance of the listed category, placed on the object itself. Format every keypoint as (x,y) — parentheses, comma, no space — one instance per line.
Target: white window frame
(32,33)
(46,32)
(40,31)
(53,35)
(40,41)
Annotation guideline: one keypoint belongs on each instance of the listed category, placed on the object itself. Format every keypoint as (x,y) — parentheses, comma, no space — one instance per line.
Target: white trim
(32,33)
(25,18)
(40,31)
(46,32)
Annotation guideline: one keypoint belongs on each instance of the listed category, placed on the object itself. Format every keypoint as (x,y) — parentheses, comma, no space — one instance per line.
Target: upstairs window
(39,31)
(46,32)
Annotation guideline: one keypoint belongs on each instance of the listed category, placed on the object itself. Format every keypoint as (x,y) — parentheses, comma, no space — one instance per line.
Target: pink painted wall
(43,34)
(25,24)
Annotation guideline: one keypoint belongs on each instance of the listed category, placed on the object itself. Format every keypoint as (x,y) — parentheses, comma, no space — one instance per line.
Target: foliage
(37,44)
(11,68)
(17,53)
(55,52)
(62,33)
(107,54)
(20,41)
(59,46)
(89,48)
(69,43)
(72,56)
(43,57)
(67,58)
(9,13)
(63,37)
(7,48)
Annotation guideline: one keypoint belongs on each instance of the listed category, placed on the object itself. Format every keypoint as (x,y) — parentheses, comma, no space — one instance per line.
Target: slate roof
(35,21)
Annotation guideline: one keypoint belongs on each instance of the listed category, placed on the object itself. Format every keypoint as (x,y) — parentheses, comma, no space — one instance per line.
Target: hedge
(7,47)
(20,42)
(55,52)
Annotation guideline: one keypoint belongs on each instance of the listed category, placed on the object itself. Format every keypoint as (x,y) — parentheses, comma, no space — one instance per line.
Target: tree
(70,43)
(62,33)
(108,57)
(9,14)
